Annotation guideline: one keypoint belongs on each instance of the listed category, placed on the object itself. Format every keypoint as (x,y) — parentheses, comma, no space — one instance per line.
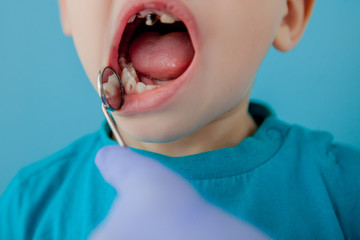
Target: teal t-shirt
(291,182)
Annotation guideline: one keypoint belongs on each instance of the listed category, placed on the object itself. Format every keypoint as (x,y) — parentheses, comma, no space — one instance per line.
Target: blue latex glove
(156,203)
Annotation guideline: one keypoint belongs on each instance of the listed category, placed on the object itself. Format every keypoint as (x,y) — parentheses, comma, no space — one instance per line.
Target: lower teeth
(111,88)
(130,80)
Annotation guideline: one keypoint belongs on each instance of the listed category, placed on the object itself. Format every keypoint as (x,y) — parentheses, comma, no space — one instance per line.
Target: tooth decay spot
(153,15)
(108,90)
(151,19)
(130,86)
(130,79)
(125,75)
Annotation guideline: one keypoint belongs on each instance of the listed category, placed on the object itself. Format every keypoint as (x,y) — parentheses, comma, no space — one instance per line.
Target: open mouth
(155,49)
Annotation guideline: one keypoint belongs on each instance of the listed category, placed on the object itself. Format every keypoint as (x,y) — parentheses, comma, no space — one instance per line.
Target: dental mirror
(111,92)
(111,89)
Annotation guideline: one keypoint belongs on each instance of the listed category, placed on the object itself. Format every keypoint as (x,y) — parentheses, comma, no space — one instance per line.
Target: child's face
(230,40)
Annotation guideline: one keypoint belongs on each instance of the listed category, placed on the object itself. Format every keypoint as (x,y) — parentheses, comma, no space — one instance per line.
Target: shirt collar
(251,153)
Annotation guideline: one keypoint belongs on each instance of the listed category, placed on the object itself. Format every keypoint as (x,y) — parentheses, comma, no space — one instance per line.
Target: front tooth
(143,13)
(167,18)
(151,19)
(149,22)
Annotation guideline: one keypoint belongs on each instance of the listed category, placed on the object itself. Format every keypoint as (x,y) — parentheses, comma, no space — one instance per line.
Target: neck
(227,131)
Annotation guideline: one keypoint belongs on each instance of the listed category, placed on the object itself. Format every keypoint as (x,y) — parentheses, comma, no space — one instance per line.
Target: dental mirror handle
(112,125)
(110,77)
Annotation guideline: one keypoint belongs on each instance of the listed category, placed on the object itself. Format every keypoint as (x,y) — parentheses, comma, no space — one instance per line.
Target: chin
(157,128)
(156,134)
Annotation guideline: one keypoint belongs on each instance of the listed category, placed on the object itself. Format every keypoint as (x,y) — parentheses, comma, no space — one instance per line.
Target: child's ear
(295,18)
(64,18)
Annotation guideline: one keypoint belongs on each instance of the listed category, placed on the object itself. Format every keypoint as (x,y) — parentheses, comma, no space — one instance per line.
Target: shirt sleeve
(10,211)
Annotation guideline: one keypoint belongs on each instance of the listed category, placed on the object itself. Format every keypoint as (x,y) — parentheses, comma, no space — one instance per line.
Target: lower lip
(156,98)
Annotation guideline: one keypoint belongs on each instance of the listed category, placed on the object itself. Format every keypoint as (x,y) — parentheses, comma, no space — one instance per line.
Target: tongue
(162,57)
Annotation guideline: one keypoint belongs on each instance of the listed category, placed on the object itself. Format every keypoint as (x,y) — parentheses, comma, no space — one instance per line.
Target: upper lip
(134,6)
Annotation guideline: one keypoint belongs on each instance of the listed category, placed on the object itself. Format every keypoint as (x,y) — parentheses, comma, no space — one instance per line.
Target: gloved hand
(154,202)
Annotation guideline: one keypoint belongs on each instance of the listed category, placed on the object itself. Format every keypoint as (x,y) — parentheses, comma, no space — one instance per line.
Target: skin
(210,111)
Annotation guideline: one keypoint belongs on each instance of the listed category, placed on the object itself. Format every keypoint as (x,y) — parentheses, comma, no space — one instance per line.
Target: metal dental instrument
(111,101)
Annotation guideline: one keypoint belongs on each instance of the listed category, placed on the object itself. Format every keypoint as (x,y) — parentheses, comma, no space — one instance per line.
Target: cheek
(90,32)
(237,37)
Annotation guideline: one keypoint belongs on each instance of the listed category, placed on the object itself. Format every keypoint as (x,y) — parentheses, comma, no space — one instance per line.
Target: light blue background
(47,102)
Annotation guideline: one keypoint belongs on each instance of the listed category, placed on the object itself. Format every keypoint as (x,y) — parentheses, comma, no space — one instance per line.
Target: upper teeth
(152,15)
(112,86)
(151,19)
(167,18)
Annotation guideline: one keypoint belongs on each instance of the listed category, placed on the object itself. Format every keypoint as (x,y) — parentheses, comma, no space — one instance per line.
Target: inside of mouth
(155,49)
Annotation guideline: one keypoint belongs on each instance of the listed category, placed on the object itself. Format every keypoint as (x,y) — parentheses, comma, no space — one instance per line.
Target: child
(201,58)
